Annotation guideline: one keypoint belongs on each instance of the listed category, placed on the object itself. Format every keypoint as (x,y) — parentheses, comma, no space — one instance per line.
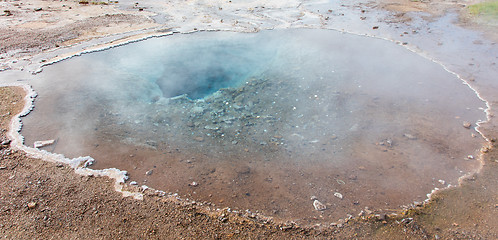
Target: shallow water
(301,113)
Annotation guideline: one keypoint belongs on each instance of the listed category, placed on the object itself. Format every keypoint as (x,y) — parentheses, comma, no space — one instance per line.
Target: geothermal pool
(266,121)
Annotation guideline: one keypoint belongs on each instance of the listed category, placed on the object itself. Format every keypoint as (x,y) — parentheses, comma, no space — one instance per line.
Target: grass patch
(485,8)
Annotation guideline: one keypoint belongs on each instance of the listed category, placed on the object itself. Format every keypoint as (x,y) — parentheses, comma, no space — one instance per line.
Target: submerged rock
(409,136)
(338,195)
(197,110)
(319,206)
(211,127)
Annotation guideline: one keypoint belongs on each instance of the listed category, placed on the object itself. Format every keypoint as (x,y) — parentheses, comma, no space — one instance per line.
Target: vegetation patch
(485,9)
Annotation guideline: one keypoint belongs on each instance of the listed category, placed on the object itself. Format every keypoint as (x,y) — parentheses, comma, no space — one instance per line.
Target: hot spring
(266,121)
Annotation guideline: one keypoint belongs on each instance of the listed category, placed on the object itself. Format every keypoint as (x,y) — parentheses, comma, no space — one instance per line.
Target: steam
(306,97)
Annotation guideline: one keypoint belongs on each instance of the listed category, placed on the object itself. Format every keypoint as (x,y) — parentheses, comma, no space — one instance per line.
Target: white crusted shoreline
(78,164)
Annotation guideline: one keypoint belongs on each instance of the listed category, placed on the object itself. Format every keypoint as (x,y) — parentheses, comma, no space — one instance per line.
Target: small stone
(197,110)
(37,71)
(319,206)
(133,183)
(380,217)
(31,205)
(375,27)
(149,172)
(193,184)
(466,125)
(409,136)
(38,9)
(470,157)
(211,127)
(5,142)
(338,195)
(243,170)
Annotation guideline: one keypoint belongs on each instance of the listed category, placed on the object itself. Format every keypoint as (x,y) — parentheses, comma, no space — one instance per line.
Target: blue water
(196,67)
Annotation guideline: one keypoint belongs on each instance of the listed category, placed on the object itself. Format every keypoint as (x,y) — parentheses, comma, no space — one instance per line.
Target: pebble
(338,195)
(193,184)
(31,205)
(319,206)
(381,217)
(149,172)
(38,71)
(5,142)
(466,125)
(409,136)
(197,110)
(243,170)
(211,127)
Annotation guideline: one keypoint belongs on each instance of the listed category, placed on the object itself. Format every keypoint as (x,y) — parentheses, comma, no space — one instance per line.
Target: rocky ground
(46,200)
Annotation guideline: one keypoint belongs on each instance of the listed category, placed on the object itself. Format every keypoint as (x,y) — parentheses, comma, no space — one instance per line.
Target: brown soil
(34,41)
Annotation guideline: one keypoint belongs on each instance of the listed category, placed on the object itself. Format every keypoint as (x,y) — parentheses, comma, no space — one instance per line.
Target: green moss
(485,8)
